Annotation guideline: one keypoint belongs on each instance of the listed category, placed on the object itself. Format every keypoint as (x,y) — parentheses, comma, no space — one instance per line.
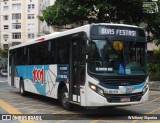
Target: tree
(3,58)
(4,53)
(65,12)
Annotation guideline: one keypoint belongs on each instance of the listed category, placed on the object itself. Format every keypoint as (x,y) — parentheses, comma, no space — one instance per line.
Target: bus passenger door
(77,69)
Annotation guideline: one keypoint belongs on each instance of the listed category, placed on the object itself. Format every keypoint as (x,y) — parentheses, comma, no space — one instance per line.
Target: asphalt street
(51,111)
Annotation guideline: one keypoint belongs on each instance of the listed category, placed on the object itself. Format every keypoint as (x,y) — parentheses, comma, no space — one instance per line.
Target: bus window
(41,53)
(62,51)
(32,54)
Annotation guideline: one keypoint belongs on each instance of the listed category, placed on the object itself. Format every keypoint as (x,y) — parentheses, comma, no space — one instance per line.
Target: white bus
(93,65)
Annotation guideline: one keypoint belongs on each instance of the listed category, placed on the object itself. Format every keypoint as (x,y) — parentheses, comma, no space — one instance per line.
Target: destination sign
(124,31)
(121,32)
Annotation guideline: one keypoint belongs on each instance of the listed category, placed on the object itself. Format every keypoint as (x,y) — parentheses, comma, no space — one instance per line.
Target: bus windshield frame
(114,54)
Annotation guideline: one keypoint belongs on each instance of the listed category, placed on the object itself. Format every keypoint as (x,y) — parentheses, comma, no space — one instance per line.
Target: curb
(154,85)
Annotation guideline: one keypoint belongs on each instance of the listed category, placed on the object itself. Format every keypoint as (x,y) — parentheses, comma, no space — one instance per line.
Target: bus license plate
(125,99)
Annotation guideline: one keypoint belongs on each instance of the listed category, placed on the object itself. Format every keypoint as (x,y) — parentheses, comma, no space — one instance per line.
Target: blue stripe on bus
(117,87)
(32,71)
(136,86)
(27,73)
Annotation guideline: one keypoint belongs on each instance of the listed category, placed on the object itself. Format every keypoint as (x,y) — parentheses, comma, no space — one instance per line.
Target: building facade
(18,21)
(44,28)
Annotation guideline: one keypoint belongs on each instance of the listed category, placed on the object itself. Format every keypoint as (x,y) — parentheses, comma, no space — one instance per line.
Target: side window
(62,51)
(25,56)
(19,57)
(32,55)
(50,53)
(41,53)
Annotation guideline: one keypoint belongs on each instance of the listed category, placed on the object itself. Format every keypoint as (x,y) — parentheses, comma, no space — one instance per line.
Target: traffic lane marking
(151,112)
(46,109)
(111,121)
(100,119)
(30,106)
(154,93)
(2,81)
(144,103)
(152,122)
(13,110)
(61,121)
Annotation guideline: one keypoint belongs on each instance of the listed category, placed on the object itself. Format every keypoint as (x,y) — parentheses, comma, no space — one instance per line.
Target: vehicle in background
(4,73)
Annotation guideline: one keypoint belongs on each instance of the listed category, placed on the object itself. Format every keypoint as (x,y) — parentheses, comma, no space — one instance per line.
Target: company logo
(130,90)
(38,75)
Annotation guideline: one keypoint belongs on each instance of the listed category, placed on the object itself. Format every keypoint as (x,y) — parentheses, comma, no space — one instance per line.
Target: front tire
(21,88)
(65,99)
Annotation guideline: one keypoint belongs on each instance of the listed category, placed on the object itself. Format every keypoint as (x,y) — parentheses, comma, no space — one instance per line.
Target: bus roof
(64,33)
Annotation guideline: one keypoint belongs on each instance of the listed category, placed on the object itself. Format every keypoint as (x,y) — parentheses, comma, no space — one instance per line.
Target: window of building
(5,17)
(16,6)
(30,26)
(5,36)
(16,16)
(5,46)
(16,35)
(5,8)
(15,43)
(16,25)
(5,26)
(31,6)
(31,16)
(31,36)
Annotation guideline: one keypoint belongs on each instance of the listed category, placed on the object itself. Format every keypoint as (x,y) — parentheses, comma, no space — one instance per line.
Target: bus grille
(120,82)
(115,98)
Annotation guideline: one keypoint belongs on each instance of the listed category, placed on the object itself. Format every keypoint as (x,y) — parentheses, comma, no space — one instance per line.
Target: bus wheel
(65,99)
(22,91)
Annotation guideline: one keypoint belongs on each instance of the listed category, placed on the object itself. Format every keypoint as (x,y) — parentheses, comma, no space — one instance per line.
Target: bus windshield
(117,57)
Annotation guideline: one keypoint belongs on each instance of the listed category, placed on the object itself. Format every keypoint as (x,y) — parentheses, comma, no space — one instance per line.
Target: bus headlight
(96,89)
(145,88)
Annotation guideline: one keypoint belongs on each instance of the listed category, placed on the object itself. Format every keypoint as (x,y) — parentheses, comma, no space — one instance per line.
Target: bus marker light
(40,39)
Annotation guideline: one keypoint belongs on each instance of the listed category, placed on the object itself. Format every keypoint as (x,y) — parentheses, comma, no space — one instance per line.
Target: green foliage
(156,52)
(154,72)
(4,53)
(69,11)
(3,57)
(65,12)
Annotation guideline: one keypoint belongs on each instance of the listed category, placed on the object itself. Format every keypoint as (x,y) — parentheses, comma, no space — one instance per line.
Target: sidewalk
(154,85)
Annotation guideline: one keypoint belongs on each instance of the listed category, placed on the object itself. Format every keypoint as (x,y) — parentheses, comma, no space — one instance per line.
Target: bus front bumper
(93,99)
